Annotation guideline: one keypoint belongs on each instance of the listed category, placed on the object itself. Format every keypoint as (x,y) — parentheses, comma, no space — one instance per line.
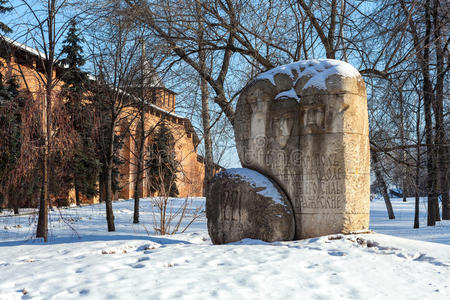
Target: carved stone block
(305,125)
(243,203)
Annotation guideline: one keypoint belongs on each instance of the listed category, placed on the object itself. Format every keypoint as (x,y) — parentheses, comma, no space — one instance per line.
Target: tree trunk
(382,184)
(417,175)
(427,87)
(141,142)
(445,196)
(136,201)
(206,120)
(77,196)
(438,107)
(436,208)
(403,151)
(137,184)
(109,196)
(138,181)
(108,201)
(431,178)
(102,185)
(431,168)
(417,179)
(416,211)
(209,163)
(42,226)
(15,204)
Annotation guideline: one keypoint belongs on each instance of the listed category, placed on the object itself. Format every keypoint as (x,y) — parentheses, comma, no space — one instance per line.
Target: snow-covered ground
(402,226)
(83,260)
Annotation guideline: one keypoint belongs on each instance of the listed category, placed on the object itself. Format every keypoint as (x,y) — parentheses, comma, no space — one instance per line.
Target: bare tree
(334,18)
(381,182)
(395,44)
(164,170)
(44,30)
(148,82)
(115,48)
(401,43)
(431,16)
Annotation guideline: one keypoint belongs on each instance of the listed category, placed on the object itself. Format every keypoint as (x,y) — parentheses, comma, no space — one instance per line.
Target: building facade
(25,63)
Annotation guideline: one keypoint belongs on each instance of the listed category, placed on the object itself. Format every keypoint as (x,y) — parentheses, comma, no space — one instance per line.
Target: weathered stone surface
(310,135)
(242,203)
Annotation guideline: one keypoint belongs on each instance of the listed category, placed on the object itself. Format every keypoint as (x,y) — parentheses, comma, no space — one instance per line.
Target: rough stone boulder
(242,203)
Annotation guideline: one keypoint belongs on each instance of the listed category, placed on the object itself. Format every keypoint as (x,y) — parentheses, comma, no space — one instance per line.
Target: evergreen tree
(162,165)
(103,119)
(84,166)
(10,118)
(4,9)
(10,134)
(75,80)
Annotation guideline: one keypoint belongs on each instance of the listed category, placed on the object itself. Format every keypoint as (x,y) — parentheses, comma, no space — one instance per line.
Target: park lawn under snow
(83,260)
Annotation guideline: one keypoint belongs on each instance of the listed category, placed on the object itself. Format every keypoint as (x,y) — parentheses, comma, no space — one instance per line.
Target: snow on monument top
(318,70)
(257,180)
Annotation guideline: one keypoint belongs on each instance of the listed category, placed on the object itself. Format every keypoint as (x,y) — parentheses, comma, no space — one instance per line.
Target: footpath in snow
(83,260)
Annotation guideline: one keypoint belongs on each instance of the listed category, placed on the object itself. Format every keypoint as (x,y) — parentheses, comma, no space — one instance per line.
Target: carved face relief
(282,129)
(313,118)
(334,117)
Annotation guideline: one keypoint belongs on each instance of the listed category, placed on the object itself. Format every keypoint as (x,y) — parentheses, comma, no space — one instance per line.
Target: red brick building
(24,63)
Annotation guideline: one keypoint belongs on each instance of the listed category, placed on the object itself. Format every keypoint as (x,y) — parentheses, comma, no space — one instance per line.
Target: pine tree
(84,167)
(162,165)
(10,134)
(101,143)
(75,80)
(4,9)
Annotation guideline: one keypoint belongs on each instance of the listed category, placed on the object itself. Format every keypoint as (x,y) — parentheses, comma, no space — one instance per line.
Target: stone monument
(305,126)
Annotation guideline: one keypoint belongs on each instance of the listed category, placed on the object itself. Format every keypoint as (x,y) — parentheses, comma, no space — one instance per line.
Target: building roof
(185,121)
(24,47)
